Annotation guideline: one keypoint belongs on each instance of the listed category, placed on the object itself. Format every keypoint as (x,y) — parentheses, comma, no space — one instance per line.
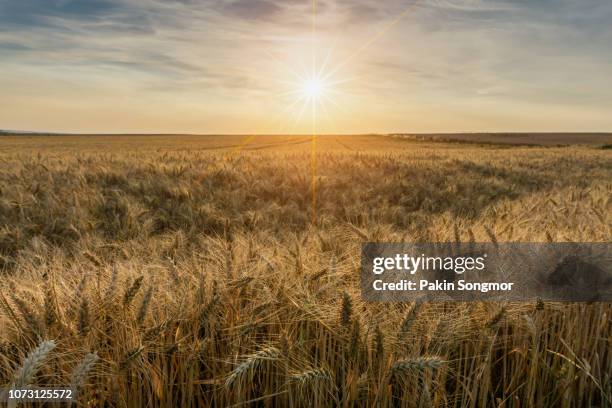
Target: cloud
(252,9)
(13,46)
(209,50)
(357,12)
(36,12)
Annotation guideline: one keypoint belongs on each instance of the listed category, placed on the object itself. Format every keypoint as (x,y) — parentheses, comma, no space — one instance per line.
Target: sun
(314,88)
(313,91)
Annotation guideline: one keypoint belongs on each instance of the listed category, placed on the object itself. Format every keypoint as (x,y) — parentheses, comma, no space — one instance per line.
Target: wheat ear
(251,363)
(80,373)
(25,373)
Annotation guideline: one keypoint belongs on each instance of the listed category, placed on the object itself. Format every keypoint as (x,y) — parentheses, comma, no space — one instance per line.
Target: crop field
(179,271)
(525,139)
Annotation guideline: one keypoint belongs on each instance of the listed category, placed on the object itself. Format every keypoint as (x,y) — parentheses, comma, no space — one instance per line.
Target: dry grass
(183,272)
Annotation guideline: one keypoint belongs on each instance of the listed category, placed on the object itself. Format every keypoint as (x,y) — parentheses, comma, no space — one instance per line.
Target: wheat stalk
(84,318)
(378,347)
(355,341)
(409,318)
(130,293)
(416,365)
(203,316)
(311,376)
(346,310)
(112,285)
(144,306)
(25,373)
(28,315)
(8,310)
(80,373)
(131,356)
(49,302)
(250,364)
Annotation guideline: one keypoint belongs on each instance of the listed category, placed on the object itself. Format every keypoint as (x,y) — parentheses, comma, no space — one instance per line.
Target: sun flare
(314,88)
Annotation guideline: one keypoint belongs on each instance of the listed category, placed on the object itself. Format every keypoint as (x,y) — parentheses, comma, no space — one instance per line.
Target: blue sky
(234,66)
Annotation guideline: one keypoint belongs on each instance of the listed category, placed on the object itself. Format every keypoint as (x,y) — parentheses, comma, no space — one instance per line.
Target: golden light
(312,94)
(319,85)
(314,88)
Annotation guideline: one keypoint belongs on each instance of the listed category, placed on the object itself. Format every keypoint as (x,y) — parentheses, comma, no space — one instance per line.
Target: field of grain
(203,271)
(525,139)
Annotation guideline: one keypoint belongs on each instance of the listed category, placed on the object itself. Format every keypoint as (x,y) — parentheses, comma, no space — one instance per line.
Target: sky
(243,66)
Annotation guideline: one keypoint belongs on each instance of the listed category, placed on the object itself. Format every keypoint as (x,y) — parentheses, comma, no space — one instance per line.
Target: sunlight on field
(192,267)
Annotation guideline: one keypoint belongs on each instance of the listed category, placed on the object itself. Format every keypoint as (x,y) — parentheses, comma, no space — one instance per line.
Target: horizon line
(509,132)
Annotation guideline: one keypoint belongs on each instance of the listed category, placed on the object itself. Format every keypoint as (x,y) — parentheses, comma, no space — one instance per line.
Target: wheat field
(179,271)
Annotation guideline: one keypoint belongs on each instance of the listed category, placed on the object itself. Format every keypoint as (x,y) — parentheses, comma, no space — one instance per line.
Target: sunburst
(314,88)
(317,87)
(312,91)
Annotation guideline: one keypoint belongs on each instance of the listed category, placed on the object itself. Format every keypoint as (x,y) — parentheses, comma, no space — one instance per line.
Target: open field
(203,271)
(543,139)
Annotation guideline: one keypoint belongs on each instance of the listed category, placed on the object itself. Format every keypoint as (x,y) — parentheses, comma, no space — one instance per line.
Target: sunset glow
(220,66)
(314,88)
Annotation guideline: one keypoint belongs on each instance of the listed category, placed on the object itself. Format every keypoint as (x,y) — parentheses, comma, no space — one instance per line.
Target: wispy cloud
(223,55)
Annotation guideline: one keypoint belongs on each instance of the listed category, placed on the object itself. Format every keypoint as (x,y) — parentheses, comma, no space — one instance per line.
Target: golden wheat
(198,277)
